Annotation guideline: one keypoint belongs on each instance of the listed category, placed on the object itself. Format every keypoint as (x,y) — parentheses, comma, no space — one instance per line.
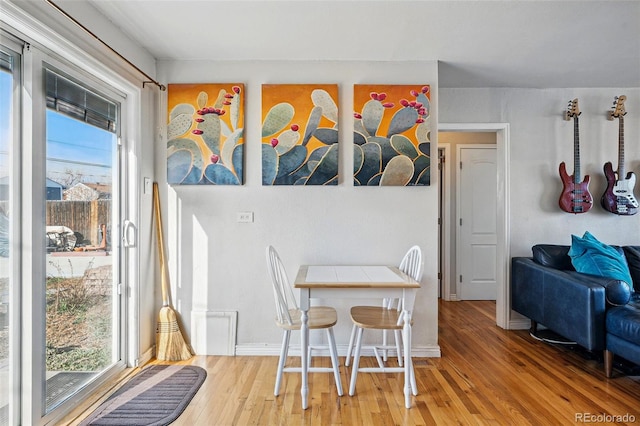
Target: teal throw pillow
(590,256)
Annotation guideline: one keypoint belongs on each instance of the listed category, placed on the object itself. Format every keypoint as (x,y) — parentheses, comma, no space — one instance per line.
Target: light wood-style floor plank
(486,376)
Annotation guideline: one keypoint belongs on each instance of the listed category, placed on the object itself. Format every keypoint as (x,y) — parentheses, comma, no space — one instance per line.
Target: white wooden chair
(387,317)
(388,307)
(288,318)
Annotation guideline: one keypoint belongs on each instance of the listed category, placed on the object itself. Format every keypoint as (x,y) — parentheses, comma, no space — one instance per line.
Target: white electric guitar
(618,198)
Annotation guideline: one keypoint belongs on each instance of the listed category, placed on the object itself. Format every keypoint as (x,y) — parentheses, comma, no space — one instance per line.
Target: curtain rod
(75,21)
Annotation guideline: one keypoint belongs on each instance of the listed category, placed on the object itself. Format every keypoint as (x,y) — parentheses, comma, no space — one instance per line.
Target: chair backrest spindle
(282,291)
(412,263)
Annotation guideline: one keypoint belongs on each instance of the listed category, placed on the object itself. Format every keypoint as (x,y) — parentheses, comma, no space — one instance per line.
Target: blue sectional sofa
(595,312)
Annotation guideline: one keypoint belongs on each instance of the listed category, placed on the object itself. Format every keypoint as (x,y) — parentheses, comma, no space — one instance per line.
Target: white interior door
(477,225)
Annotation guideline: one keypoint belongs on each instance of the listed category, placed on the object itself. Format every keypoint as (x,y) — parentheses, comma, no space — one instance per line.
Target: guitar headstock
(618,107)
(572,110)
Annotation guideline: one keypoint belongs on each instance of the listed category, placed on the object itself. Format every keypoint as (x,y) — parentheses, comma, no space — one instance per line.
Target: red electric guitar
(618,197)
(575,196)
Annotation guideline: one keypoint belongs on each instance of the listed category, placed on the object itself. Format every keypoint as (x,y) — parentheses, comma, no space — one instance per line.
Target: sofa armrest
(566,302)
(616,292)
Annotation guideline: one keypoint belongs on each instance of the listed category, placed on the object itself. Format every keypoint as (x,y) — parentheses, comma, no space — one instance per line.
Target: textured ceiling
(539,44)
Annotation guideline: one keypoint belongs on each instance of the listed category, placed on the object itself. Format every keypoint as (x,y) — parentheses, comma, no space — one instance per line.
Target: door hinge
(460,221)
(439,275)
(461,165)
(119,288)
(460,278)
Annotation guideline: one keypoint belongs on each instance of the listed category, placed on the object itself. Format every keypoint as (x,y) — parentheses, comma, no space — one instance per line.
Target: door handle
(129,234)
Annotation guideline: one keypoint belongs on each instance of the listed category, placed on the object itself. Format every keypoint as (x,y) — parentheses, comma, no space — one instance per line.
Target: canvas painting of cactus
(205,134)
(391,135)
(299,134)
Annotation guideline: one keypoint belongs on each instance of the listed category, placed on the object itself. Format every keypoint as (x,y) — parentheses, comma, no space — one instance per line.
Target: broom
(170,344)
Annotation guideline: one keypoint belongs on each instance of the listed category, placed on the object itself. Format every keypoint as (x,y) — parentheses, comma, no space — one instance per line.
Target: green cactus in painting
(393,159)
(286,160)
(221,162)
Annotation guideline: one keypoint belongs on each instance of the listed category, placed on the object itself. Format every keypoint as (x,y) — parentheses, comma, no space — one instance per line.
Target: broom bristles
(170,345)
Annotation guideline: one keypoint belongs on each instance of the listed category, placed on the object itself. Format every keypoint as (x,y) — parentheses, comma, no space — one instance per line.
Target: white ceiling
(538,44)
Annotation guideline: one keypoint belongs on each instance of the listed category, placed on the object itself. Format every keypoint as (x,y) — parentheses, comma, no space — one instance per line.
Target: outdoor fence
(82,217)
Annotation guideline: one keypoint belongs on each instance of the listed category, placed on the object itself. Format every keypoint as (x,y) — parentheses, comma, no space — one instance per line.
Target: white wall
(105,29)
(219,264)
(540,141)
(148,279)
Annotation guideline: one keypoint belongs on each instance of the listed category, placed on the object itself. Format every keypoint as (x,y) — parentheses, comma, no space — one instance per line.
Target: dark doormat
(154,397)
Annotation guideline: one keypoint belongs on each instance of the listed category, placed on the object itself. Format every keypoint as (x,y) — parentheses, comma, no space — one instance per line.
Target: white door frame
(503,296)
(445,248)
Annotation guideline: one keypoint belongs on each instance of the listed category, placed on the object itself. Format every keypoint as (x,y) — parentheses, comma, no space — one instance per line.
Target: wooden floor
(486,375)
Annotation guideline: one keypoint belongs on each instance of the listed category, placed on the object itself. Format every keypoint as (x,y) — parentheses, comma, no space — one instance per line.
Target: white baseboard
(426,351)
(146,357)
(269,349)
(519,324)
(519,321)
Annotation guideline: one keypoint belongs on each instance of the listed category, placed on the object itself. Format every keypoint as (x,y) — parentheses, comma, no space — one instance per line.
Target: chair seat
(375,317)
(319,317)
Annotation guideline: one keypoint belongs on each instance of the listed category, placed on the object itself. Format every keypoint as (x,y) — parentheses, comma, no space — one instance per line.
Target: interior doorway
(497,133)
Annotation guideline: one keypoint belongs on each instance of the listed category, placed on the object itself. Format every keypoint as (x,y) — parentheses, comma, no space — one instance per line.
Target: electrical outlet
(245,217)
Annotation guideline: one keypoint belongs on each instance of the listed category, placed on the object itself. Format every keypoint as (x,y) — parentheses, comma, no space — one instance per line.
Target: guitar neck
(621,171)
(576,151)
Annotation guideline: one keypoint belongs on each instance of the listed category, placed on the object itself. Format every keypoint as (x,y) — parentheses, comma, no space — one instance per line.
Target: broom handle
(163,269)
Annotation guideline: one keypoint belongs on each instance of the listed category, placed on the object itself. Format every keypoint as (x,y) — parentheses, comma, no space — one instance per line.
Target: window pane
(82,304)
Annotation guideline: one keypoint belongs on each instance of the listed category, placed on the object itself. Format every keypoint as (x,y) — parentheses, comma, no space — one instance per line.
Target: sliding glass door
(82,223)
(63,196)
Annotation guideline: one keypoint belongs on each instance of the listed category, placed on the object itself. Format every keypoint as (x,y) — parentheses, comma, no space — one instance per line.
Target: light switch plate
(147,185)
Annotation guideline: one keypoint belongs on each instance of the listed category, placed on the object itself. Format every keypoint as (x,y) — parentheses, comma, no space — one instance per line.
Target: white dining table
(355,282)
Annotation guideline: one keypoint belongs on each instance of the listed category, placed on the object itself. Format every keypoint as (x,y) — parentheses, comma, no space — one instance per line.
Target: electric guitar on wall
(575,196)
(618,197)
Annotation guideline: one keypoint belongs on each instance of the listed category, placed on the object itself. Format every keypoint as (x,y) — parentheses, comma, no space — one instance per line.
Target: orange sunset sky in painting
(298,95)
(362,95)
(188,94)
